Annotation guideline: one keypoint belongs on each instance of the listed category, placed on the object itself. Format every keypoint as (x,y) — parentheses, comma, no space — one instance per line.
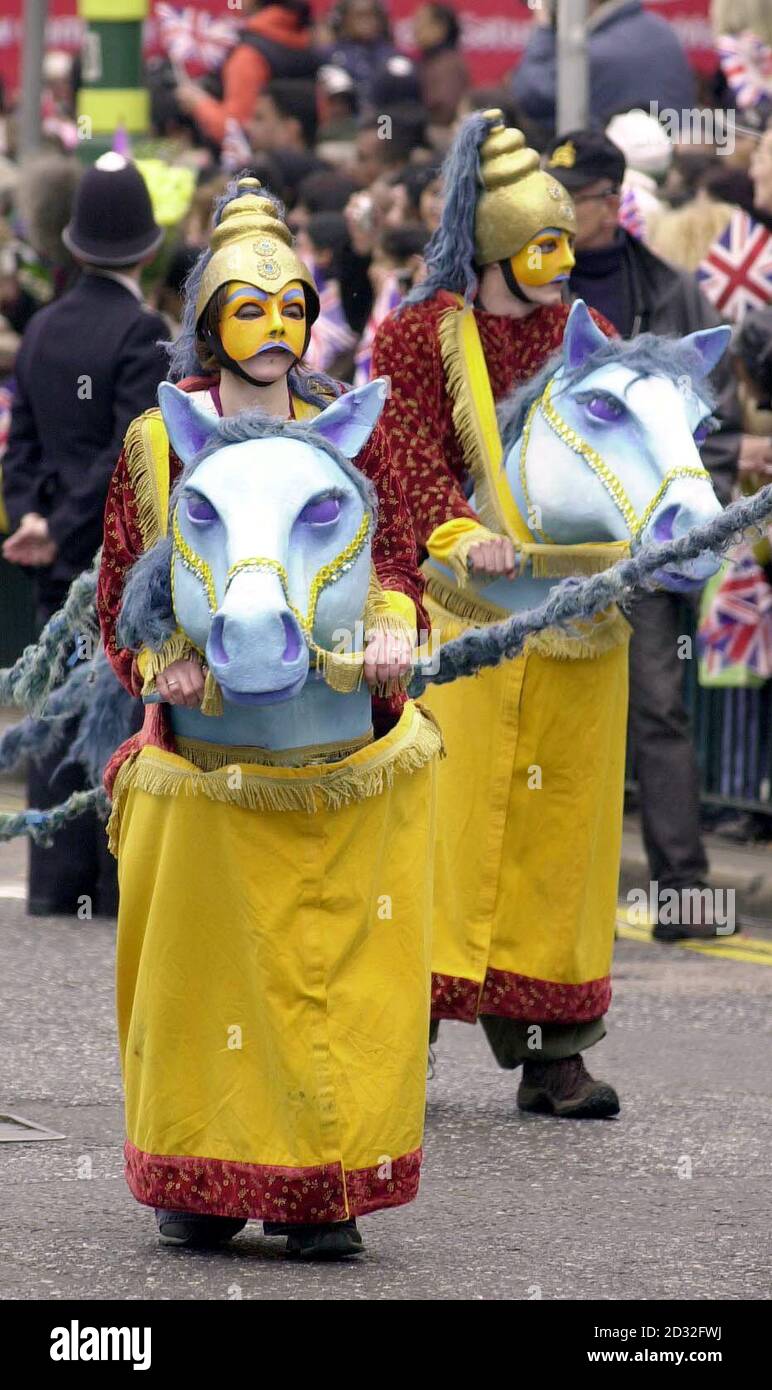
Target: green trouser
(514,1042)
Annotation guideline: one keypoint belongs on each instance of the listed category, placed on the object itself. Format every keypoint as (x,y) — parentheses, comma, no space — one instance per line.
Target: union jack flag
(746,63)
(6,406)
(236,151)
(331,334)
(736,274)
(631,215)
(195,40)
(737,627)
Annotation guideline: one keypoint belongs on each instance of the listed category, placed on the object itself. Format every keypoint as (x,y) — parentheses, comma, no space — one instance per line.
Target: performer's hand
(31,543)
(182,683)
(362,222)
(491,559)
(755,456)
(387,657)
(187,96)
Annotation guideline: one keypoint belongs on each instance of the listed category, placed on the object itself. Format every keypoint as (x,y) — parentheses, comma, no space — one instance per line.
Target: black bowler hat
(112,219)
(582,157)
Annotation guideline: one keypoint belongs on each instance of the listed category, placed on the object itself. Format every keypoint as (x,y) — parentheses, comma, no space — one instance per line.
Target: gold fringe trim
(344,671)
(210,757)
(388,622)
(178,647)
(257,789)
(212,701)
(561,561)
(453,613)
(466,426)
(140,466)
(121,782)
(465,605)
(587,641)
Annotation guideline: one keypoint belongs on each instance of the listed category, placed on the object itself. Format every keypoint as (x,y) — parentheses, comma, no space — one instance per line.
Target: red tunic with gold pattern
(418,416)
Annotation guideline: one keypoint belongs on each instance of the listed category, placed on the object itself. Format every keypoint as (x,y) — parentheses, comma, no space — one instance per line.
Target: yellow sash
(474,417)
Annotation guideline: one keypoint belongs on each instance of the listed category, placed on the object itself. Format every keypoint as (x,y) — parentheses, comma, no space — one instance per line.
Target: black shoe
(746,828)
(693,931)
(698,927)
(565,1088)
(330,1240)
(201,1232)
(50,907)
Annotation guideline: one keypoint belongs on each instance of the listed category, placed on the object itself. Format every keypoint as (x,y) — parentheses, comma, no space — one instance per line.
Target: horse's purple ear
(581,336)
(710,344)
(351,419)
(188,427)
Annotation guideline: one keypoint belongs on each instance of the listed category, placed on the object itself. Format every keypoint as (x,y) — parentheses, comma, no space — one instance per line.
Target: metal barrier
(733,738)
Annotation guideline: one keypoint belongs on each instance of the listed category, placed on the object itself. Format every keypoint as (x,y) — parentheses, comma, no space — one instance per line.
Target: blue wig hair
(450,255)
(646,355)
(315,388)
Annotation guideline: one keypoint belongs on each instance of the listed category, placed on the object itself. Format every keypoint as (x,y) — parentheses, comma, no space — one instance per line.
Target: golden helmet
(518,199)
(251,243)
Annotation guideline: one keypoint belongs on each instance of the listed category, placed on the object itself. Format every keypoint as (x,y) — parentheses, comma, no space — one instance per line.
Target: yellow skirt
(273,976)
(529,824)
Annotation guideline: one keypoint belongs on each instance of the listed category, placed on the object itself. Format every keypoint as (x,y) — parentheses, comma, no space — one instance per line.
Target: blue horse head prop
(603,445)
(269,556)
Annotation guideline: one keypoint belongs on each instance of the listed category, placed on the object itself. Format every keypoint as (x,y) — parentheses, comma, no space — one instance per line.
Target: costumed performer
(290,927)
(530,796)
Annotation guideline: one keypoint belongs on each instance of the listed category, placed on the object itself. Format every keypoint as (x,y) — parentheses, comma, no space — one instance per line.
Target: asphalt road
(511,1206)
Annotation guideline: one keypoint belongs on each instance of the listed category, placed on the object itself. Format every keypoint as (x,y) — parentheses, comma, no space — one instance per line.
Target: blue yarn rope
(41,826)
(575,600)
(44,665)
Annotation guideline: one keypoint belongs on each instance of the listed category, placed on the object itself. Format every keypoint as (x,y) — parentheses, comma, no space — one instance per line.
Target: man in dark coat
(639,293)
(635,57)
(88,365)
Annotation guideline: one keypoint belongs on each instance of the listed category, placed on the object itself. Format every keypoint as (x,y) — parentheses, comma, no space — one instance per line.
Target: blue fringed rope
(94,703)
(572,601)
(43,666)
(41,826)
(579,599)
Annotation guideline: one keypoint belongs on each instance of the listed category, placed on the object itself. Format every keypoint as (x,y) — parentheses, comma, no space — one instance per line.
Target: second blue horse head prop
(603,445)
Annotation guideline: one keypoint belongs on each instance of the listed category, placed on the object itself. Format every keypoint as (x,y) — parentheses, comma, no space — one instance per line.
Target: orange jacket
(245,71)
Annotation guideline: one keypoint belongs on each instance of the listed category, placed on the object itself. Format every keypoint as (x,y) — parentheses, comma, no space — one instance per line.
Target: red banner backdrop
(495,31)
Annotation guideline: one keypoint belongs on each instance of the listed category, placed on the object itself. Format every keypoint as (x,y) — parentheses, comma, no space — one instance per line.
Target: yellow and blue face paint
(255,321)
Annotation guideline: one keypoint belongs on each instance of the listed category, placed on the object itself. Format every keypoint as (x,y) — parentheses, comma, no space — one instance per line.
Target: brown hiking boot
(565,1088)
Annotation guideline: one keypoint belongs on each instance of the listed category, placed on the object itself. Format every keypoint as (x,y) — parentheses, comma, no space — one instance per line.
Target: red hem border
(255,1191)
(520,997)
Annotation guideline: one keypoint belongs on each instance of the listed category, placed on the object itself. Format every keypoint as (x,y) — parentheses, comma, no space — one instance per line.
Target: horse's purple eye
(605,408)
(701,433)
(199,510)
(320,513)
